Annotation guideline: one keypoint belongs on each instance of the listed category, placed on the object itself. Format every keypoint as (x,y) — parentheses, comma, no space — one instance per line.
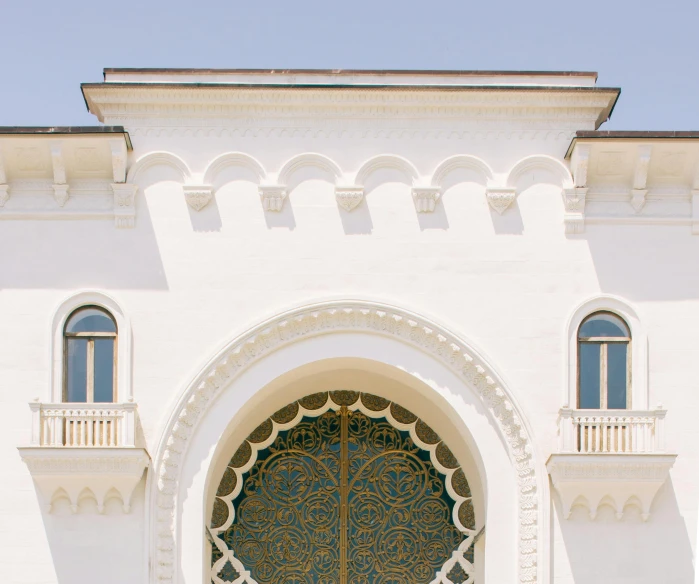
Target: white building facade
(348,327)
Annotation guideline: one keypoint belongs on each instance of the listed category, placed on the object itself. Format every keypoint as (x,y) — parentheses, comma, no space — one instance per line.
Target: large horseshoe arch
(343,487)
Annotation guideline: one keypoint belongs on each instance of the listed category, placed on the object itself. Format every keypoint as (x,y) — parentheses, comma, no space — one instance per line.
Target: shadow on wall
(627,551)
(88,546)
(82,254)
(207,219)
(357,221)
(644,264)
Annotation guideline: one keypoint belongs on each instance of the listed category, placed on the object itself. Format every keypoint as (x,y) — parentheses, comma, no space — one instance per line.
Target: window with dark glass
(604,372)
(90,356)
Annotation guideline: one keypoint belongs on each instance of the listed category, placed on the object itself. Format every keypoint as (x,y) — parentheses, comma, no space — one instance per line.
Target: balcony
(85,450)
(610,457)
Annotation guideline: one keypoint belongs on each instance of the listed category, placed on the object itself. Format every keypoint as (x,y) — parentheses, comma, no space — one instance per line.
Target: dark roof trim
(63,130)
(630,135)
(449,72)
(635,134)
(352,87)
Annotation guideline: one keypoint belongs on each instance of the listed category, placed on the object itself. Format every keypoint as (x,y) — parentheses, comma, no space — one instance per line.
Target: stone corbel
(272,197)
(60,193)
(640,178)
(574,209)
(574,198)
(60,188)
(695,204)
(580,162)
(124,205)
(68,472)
(198,197)
(349,197)
(500,198)
(425,198)
(617,480)
(118,148)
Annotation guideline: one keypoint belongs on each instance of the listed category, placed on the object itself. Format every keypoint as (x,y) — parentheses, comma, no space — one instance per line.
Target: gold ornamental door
(343,488)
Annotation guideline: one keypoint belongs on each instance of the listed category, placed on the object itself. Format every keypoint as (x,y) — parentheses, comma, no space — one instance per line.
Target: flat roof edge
(368,86)
(630,135)
(64,130)
(108,70)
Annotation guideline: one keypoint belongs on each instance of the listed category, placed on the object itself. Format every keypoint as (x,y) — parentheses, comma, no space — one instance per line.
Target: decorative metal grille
(343,488)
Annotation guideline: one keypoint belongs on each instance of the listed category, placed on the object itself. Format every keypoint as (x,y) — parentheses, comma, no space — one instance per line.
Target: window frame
(604,342)
(90,359)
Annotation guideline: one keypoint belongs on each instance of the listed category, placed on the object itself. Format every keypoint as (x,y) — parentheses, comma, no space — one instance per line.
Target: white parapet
(611,431)
(83,425)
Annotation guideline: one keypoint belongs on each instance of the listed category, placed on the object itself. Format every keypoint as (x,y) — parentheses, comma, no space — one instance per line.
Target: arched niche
(365,381)
(450,386)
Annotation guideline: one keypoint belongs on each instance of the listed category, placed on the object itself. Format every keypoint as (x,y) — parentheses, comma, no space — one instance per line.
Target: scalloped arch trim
(314,406)
(338,317)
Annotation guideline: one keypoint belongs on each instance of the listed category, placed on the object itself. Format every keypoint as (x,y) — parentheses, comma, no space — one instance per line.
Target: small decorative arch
(465,161)
(390,161)
(233,159)
(640,398)
(342,317)
(540,161)
(155,159)
(308,159)
(123,387)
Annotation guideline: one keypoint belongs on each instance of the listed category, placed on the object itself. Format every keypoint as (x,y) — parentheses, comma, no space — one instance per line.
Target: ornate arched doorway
(343,488)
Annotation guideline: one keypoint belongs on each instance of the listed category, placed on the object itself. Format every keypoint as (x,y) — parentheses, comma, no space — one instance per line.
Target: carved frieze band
(344,317)
(501,190)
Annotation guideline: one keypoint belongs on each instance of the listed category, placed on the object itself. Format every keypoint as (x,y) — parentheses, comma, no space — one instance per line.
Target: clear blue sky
(648,48)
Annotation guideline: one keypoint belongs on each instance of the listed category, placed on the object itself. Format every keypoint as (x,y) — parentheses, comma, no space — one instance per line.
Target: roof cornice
(119,101)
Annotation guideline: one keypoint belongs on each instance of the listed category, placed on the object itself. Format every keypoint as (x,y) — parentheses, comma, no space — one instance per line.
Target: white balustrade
(83,425)
(612,431)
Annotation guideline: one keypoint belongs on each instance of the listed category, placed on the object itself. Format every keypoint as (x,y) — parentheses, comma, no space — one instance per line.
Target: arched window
(90,345)
(604,363)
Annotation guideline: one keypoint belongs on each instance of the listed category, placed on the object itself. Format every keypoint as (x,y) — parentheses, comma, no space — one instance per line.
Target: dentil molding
(618,480)
(77,472)
(322,319)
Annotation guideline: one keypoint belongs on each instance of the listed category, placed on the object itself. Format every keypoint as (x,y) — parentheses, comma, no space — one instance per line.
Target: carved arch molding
(338,488)
(338,317)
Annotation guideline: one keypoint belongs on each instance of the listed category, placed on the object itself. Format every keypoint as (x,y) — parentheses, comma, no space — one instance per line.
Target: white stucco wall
(189,282)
